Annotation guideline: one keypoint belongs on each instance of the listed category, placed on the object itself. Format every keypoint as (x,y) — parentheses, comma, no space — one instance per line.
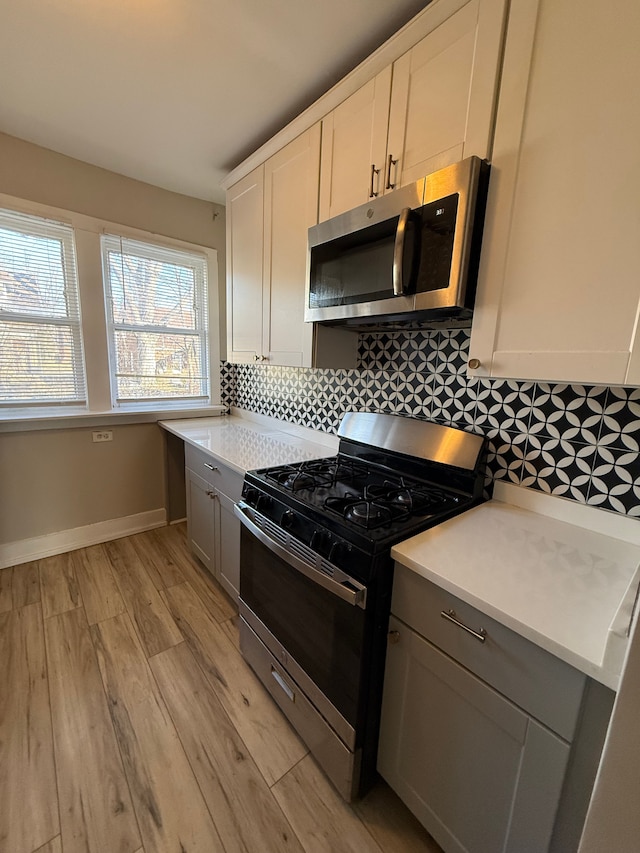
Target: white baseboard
(14,553)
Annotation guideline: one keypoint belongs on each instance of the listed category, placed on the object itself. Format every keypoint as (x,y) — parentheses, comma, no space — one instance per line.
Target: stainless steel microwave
(409,257)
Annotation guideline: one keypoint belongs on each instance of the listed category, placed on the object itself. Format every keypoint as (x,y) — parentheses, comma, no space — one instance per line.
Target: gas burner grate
(318,473)
(381,505)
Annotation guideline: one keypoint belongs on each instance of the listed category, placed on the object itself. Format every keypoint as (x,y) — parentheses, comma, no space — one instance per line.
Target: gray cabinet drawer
(216,473)
(549,689)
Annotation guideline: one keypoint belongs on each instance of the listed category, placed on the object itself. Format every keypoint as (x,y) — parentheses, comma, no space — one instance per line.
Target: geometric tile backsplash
(578,441)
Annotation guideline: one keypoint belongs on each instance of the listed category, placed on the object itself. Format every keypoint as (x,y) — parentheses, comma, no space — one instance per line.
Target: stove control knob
(251,496)
(339,551)
(321,542)
(288,519)
(263,503)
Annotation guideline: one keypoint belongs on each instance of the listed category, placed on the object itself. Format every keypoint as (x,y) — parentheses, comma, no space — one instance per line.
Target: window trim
(88,231)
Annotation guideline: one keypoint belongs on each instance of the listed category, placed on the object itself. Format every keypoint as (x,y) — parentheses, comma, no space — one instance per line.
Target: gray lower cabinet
(229,539)
(201,519)
(212,527)
(492,744)
(465,759)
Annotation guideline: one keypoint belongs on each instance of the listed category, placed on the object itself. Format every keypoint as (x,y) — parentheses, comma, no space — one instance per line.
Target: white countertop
(244,444)
(569,588)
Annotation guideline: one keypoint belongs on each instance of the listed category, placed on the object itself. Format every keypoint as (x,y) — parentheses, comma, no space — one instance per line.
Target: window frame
(99,407)
(200,331)
(50,228)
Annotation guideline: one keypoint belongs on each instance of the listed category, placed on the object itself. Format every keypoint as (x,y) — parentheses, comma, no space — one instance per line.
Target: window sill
(21,421)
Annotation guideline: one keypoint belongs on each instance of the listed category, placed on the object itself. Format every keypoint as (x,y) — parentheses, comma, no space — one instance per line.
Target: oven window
(322,632)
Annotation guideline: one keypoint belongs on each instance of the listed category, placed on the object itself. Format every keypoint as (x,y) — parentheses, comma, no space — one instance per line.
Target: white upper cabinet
(432,107)
(269,212)
(559,286)
(245,217)
(354,146)
(290,209)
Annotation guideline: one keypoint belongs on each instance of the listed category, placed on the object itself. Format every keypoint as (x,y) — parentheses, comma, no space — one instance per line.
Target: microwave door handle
(398,252)
(347,589)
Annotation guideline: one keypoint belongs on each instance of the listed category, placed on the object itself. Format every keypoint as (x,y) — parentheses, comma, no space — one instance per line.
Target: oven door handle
(348,590)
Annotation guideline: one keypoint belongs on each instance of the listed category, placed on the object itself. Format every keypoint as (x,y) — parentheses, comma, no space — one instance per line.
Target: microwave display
(437,230)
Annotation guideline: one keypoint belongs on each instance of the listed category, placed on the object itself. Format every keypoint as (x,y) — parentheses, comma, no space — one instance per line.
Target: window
(145,342)
(156,300)
(41,355)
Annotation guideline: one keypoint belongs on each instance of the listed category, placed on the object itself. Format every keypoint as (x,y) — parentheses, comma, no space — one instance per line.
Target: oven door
(321,622)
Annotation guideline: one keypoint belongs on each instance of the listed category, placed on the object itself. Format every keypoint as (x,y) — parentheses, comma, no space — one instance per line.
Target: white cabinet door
(559,285)
(477,771)
(290,209)
(245,237)
(354,144)
(269,213)
(442,98)
(433,107)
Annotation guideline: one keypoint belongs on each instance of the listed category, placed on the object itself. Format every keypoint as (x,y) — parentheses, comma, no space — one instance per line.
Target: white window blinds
(157,321)
(41,357)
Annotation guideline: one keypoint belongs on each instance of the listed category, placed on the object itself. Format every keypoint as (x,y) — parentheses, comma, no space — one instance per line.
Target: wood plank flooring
(129,722)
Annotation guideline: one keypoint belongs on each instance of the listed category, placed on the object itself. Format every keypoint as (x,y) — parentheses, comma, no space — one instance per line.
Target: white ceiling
(176,92)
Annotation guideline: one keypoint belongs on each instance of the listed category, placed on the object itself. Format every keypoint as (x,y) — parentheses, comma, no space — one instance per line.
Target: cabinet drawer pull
(480,634)
(210,467)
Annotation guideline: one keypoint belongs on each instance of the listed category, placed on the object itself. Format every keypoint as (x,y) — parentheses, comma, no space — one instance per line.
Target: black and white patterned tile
(378,351)
(381,390)
(558,466)
(621,419)
(580,442)
(419,353)
(452,403)
(452,352)
(502,404)
(615,481)
(413,394)
(568,412)
(505,457)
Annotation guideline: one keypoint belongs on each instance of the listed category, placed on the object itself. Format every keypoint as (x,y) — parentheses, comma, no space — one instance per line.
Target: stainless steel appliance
(316,573)
(406,258)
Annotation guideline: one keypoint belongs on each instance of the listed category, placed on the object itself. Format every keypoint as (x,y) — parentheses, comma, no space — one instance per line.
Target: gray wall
(57,480)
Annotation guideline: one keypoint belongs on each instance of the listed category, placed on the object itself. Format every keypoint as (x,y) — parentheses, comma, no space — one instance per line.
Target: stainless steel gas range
(316,573)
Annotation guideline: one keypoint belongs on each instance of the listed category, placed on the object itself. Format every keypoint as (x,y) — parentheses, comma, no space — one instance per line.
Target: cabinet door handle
(374,172)
(210,467)
(390,162)
(480,634)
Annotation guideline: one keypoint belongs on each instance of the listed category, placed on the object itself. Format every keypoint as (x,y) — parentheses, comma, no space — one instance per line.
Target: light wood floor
(129,722)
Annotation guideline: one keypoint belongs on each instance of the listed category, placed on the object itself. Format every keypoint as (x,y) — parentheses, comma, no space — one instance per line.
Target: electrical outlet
(103,435)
